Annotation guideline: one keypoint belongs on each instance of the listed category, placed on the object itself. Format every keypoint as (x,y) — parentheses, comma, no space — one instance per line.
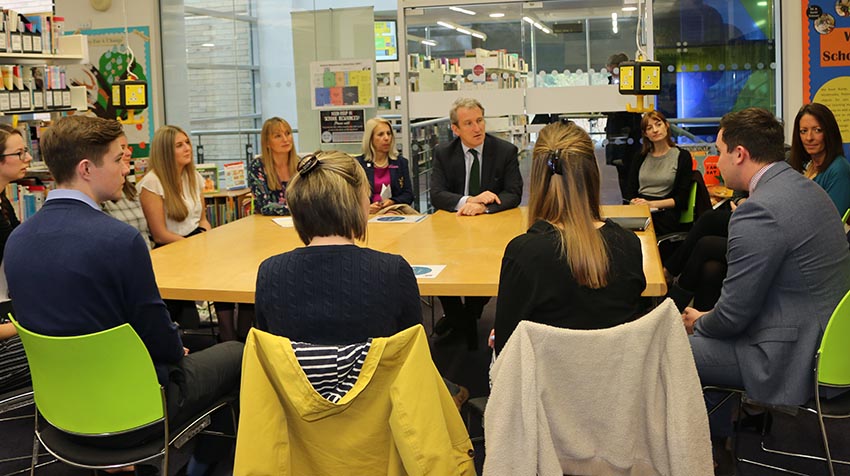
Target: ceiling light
(208,45)
(462,10)
(528,19)
(429,42)
(629,9)
(462,29)
(497,15)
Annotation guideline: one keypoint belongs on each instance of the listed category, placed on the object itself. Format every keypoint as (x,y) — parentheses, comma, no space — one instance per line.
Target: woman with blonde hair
(572,269)
(661,175)
(387,172)
(172,191)
(332,291)
(172,196)
(271,171)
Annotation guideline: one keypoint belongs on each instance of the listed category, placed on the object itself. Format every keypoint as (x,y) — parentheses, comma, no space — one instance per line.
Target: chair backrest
(834,360)
(624,396)
(687,215)
(93,384)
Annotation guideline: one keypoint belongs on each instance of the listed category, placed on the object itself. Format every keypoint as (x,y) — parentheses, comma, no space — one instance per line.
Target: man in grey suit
(789,266)
(474,174)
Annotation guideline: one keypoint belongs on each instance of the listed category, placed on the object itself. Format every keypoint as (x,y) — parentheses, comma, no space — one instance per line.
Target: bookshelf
(227,205)
(21,93)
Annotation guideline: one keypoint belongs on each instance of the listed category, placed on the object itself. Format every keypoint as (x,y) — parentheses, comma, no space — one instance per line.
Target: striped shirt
(332,370)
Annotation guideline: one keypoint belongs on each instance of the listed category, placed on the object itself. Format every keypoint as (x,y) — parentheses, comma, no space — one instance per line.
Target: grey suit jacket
(499,174)
(788,267)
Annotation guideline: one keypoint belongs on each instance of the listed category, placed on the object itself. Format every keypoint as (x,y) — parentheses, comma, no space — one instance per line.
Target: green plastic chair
(96,385)
(832,370)
(687,216)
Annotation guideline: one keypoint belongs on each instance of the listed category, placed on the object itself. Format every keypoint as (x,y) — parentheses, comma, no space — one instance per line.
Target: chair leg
(35,445)
(823,435)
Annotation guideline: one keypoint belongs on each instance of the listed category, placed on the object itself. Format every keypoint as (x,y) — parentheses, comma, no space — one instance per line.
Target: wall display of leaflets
(234,176)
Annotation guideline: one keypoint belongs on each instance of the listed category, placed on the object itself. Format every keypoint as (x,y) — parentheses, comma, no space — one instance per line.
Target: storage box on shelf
(35,83)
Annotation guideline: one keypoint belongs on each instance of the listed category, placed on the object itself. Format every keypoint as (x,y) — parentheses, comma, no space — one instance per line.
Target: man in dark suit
(788,267)
(474,174)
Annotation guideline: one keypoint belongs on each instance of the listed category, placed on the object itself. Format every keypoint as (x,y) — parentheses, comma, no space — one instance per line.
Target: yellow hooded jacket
(398,419)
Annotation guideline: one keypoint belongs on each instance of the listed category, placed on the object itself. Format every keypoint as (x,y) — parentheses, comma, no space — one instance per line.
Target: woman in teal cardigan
(816,145)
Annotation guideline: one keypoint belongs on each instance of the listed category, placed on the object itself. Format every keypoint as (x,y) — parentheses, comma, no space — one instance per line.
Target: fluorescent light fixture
(629,9)
(462,29)
(537,24)
(497,15)
(614,26)
(462,10)
(762,4)
(208,45)
(429,42)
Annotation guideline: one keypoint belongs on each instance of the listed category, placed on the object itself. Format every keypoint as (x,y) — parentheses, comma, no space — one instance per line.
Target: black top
(8,221)
(536,283)
(336,294)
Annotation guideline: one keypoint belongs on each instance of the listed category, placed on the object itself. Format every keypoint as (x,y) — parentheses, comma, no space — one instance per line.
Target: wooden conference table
(221,265)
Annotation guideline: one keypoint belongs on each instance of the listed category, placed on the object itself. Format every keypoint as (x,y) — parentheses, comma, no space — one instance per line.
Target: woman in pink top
(384,166)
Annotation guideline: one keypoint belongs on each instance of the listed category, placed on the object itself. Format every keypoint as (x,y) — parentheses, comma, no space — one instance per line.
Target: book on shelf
(234,176)
(209,173)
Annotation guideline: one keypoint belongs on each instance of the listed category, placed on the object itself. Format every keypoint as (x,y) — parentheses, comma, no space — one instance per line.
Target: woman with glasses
(14,161)
(572,268)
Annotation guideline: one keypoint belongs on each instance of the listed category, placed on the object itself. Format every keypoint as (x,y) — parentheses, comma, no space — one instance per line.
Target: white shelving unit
(74,50)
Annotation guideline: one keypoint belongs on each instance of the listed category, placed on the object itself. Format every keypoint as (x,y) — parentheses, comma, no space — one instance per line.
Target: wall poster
(826,59)
(342,84)
(109,59)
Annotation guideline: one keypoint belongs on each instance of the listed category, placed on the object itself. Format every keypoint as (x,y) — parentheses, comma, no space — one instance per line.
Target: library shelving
(227,205)
(35,82)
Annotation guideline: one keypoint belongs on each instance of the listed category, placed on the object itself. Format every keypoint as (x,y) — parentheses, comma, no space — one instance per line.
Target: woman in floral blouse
(270,171)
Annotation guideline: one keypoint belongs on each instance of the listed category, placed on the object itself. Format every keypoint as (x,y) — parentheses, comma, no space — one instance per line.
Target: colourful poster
(109,57)
(826,59)
(341,84)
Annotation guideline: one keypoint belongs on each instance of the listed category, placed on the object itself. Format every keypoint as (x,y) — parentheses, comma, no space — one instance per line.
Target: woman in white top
(172,191)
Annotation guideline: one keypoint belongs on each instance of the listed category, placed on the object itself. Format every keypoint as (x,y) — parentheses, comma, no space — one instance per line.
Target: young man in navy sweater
(75,270)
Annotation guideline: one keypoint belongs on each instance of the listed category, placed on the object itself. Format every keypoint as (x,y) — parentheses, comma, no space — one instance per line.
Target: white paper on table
(425,271)
(397,218)
(386,192)
(285,222)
